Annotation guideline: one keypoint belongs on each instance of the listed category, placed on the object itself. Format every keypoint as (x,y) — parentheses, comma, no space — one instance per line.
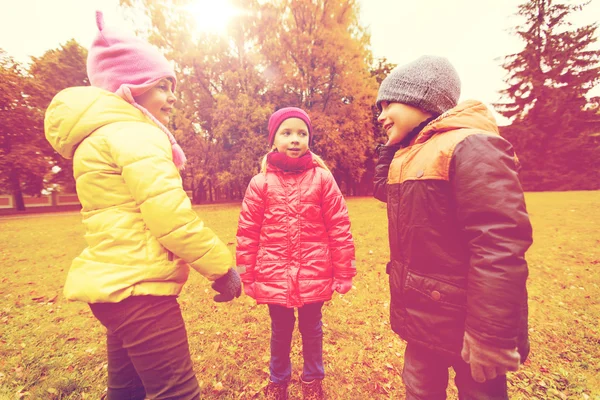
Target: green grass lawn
(54,349)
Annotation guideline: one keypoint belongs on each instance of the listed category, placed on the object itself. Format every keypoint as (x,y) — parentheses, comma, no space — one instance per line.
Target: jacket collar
(471,114)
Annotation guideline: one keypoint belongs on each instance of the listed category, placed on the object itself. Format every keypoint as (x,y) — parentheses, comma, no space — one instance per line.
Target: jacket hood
(76,112)
(470,114)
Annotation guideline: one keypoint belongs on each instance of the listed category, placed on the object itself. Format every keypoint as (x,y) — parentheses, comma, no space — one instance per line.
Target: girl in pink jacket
(294,247)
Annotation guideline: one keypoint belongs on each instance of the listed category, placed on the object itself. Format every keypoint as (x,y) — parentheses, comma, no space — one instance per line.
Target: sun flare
(212,15)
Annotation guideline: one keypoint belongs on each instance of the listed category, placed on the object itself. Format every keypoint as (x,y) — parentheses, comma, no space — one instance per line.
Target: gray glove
(488,362)
(229,286)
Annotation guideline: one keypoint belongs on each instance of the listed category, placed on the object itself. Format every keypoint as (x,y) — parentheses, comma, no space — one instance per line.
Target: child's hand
(249,289)
(342,285)
(229,286)
(488,362)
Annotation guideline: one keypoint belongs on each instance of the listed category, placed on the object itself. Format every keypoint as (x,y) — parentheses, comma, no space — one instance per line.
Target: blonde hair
(319,160)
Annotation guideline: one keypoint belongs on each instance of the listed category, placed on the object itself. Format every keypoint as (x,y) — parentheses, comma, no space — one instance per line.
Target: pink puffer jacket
(294,236)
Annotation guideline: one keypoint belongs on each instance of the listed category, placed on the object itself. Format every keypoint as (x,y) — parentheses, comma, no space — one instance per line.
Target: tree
(54,71)
(318,58)
(22,164)
(379,71)
(28,162)
(222,113)
(556,68)
(310,54)
(546,97)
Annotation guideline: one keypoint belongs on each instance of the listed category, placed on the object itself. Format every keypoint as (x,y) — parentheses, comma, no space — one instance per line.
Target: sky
(473,34)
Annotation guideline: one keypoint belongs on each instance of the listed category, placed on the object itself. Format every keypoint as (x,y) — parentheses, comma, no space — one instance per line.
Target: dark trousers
(148,352)
(425,376)
(311,329)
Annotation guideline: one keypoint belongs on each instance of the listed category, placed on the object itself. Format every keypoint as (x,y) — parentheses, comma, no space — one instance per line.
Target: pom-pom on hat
(128,66)
(429,83)
(281,115)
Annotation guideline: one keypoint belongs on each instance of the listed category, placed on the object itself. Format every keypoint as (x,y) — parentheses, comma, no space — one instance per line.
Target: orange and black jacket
(458,233)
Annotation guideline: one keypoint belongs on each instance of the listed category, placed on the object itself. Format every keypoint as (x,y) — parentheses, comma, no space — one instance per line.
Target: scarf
(289,164)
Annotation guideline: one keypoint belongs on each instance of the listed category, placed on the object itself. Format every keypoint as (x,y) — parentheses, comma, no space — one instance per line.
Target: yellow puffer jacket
(134,208)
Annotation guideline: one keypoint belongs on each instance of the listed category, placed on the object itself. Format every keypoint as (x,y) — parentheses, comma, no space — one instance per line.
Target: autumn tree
(312,55)
(318,58)
(546,97)
(222,110)
(54,71)
(22,163)
(379,71)
(28,163)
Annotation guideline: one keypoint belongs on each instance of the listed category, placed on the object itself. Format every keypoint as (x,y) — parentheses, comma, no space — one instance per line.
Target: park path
(34,215)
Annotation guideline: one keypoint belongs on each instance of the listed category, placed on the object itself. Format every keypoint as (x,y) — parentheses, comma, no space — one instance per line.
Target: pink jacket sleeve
(249,226)
(337,222)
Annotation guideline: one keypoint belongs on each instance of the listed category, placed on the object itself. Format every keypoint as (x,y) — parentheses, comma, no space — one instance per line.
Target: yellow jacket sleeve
(143,153)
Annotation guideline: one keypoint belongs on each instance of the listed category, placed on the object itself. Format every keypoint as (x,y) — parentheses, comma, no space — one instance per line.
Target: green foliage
(53,349)
(553,129)
(556,68)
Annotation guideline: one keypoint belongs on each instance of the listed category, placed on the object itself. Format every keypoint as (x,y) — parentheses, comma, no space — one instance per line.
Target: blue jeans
(311,329)
(148,352)
(425,376)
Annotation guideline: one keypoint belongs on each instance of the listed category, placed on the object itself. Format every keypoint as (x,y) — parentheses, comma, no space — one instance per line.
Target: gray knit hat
(430,83)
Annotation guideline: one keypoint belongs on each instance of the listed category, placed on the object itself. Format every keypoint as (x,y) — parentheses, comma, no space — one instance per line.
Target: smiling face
(159,100)
(292,138)
(400,119)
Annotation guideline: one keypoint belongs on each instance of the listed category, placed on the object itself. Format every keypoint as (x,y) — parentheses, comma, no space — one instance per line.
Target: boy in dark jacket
(458,232)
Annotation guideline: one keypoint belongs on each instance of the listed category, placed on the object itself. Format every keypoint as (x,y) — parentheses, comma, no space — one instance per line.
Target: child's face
(292,138)
(159,100)
(399,120)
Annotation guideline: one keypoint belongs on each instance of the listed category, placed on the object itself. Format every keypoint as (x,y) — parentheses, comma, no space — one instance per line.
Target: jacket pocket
(435,311)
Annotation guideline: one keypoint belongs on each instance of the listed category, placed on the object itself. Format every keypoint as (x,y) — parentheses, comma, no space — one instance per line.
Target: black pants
(425,376)
(148,352)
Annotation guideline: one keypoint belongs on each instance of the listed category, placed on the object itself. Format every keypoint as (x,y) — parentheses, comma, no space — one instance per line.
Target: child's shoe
(276,391)
(312,390)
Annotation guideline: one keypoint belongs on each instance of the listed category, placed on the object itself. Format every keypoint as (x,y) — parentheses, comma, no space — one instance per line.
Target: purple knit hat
(128,66)
(281,115)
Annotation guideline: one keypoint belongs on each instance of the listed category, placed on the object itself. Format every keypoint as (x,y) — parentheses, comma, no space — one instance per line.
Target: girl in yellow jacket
(141,231)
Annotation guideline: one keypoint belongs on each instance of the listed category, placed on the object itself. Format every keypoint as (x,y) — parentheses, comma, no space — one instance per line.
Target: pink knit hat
(281,115)
(128,66)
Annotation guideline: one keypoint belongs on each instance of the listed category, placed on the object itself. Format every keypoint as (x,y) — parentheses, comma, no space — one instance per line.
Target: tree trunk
(193,189)
(351,185)
(200,192)
(16,189)
(240,190)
